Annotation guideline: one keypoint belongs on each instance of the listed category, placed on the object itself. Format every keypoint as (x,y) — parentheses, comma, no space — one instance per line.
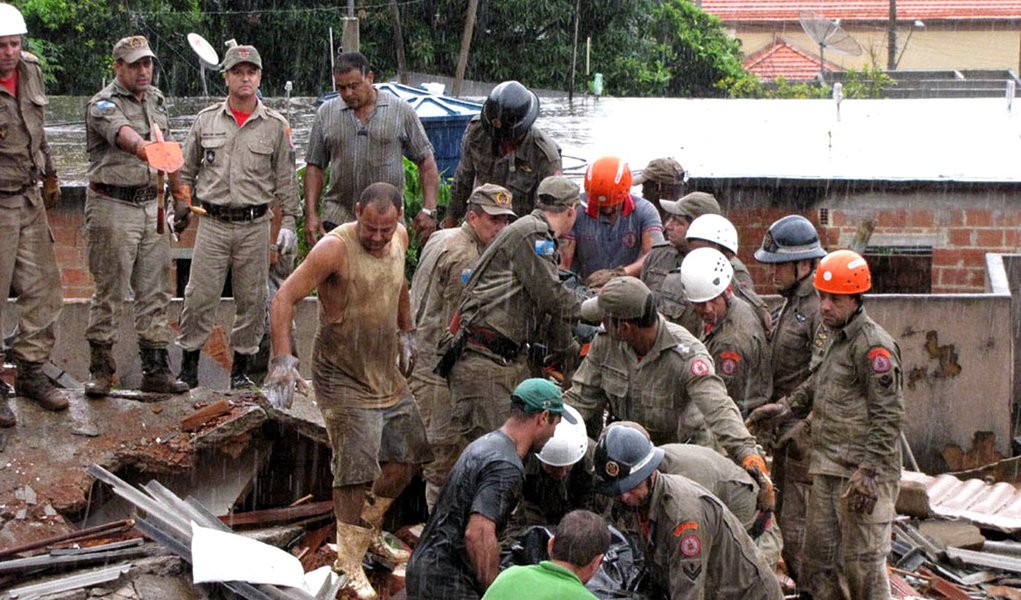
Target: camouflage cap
(241,54)
(666,171)
(132,48)
(621,298)
(493,199)
(558,191)
(693,206)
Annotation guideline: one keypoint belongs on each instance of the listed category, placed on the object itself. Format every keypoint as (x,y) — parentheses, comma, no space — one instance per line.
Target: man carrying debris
(458,555)
(502,146)
(364,348)
(127,254)
(855,393)
(791,246)
(575,554)
(26,249)
(238,160)
(694,546)
(443,269)
(361,137)
(512,298)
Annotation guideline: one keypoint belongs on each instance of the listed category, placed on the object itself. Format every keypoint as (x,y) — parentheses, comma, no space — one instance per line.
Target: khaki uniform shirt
(855,389)
(673,391)
(359,155)
(697,549)
(661,260)
(744,286)
(536,158)
(716,473)
(241,166)
(24,152)
(109,110)
(738,345)
(443,269)
(791,345)
(515,288)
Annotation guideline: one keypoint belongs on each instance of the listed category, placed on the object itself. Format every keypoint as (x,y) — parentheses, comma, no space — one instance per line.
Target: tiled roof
(863,10)
(993,506)
(781,59)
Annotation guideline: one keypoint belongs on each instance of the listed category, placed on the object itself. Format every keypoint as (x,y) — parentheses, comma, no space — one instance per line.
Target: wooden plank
(278,515)
(200,417)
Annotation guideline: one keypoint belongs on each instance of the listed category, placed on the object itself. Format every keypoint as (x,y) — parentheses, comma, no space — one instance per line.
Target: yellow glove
(51,190)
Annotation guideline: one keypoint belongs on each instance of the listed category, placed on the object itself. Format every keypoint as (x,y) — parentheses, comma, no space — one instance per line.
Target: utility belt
(235,214)
(139,194)
(494,342)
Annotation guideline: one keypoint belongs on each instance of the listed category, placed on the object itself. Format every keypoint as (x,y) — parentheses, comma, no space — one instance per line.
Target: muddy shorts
(362,438)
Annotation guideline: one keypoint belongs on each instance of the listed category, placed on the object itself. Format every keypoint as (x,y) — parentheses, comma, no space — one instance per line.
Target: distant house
(930,34)
(782,60)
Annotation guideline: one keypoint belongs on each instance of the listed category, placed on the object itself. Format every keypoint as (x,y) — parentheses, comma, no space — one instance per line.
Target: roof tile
(863,10)
(781,59)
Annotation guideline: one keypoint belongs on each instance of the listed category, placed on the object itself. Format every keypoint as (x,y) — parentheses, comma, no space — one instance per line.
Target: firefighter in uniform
(855,391)
(27,261)
(126,252)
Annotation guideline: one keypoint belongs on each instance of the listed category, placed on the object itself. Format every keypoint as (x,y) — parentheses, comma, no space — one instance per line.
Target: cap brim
(567,417)
(616,487)
(639,179)
(495,211)
(672,206)
(590,311)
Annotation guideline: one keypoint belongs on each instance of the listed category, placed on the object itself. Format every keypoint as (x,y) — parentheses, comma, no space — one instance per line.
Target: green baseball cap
(542,394)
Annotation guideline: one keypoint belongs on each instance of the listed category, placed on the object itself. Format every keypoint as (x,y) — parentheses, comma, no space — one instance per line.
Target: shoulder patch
(685,526)
(690,546)
(29,57)
(545,248)
(729,362)
(106,106)
(879,360)
(700,367)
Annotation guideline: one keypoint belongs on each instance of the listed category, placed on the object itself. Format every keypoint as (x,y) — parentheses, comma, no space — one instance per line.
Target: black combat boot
(156,374)
(239,373)
(101,369)
(190,368)
(31,382)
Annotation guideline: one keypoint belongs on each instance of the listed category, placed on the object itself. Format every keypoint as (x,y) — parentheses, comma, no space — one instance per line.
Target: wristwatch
(429,212)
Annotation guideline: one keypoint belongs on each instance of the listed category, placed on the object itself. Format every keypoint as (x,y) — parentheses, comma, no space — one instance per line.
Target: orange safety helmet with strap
(843,272)
(608,183)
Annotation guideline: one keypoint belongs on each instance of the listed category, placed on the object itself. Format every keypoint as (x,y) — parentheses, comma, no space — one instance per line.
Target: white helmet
(568,444)
(714,228)
(11,21)
(705,274)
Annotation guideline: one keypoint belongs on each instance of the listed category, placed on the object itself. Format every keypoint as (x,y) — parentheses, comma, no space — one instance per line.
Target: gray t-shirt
(604,244)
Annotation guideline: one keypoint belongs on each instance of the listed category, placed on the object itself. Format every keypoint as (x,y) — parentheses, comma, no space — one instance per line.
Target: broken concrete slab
(239,423)
(960,534)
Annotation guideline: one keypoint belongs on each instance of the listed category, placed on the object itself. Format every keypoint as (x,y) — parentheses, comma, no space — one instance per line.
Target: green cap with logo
(132,48)
(493,199)
(621,298)
(542,394)
(558,191)
(664,171)
(693,206)
(241,54)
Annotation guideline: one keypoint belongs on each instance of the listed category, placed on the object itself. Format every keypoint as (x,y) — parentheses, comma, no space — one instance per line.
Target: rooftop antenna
(208,59)
(828,34)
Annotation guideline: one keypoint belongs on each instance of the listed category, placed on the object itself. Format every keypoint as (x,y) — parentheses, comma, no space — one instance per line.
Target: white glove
(287,241)
(409,351)
(282,380)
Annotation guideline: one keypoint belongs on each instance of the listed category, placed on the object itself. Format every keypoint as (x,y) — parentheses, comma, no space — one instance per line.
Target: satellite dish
(207,55)
(828,34)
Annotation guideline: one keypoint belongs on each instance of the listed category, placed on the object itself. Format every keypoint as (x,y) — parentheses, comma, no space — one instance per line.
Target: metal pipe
(66,537)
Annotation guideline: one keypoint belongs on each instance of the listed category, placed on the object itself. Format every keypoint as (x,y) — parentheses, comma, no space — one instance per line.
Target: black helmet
(509,111)
(789,239)
(623,459)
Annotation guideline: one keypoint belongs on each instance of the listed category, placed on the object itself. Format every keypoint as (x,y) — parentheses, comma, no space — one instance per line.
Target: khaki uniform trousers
(480,392)
(243,248)
(433,398)
(129,262)
(27,262)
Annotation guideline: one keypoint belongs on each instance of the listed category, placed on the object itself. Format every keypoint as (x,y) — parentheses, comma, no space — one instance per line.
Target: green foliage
(867,83)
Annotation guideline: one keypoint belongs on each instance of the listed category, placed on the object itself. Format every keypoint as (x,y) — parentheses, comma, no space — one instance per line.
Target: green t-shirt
(544,581)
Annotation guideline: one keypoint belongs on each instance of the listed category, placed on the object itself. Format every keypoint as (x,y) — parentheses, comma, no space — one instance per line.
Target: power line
(313,9)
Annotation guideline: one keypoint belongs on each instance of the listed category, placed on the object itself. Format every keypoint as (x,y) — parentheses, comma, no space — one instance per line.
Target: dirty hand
(862,491)
(796,438)
(566,360)
(140,150)
(766,416)
(313,229)
(603,276)
(755,465)
(409,351)
(424,226)
(283,380)
(179,218)
(448,222)
(287,241)
(51,190)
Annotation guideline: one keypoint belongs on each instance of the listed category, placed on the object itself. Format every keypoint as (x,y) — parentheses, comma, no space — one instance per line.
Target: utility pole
(574,51)
(466,42)
(891,38)
(402,72)
(350,40)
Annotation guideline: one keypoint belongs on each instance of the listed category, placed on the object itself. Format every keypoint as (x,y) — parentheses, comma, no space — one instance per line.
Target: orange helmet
(608,183)
(843,272)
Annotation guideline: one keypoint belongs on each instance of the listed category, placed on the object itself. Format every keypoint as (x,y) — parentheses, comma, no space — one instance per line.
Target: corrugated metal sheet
(864,10)
(995,506)
(781,59)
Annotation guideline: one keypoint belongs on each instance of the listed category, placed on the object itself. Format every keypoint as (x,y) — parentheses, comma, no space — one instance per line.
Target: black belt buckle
(143,194)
